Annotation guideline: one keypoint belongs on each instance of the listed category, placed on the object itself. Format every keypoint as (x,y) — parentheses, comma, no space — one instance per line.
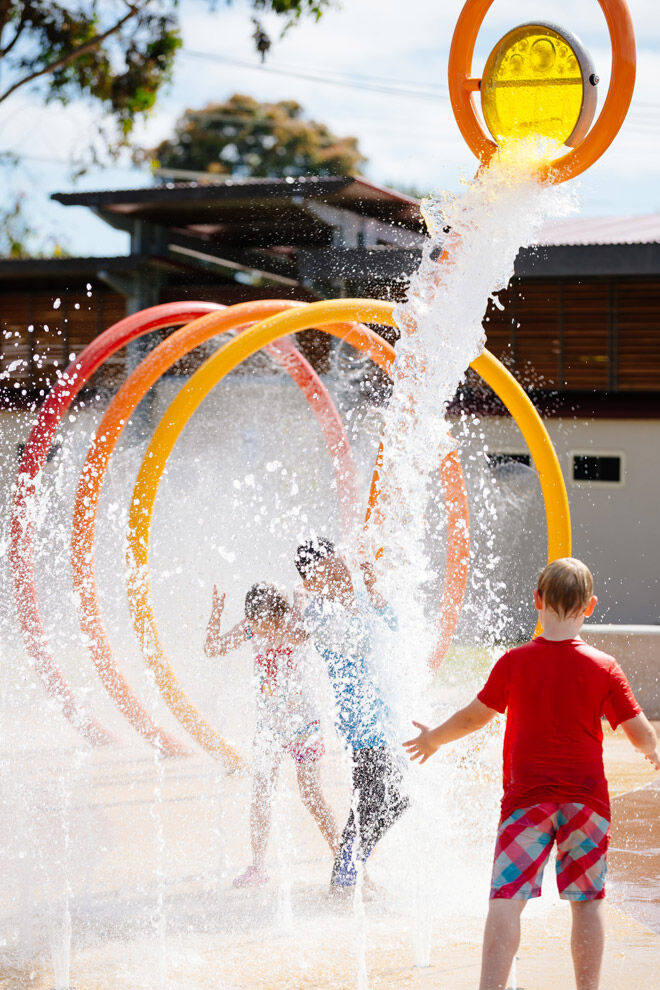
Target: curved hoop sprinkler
(538,81)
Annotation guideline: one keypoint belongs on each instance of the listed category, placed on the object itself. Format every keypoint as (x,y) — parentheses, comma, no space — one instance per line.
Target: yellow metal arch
(181,409)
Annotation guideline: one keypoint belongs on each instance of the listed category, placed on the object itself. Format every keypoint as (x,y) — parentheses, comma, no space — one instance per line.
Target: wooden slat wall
(537,337)
(499,327)
(585,353)
(42,335)
(558,334)
(593,334)
(16,347)
(49,350)
(638,335)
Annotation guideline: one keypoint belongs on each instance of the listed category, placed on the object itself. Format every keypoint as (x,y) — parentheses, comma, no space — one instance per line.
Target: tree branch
(88,46)
(17,34)
(4,14)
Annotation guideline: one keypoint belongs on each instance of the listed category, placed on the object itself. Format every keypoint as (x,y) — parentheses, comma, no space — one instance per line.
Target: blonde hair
(566,586)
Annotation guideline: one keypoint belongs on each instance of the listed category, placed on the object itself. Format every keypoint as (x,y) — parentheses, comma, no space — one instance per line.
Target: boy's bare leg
(309,785)
(501,941)
(263,785)
(587,942)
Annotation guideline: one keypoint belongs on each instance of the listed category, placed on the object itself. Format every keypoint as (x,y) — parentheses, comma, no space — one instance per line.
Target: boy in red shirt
(555,691)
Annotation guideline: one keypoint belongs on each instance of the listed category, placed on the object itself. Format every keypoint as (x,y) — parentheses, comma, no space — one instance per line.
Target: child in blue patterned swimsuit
(287,720)
(343,626)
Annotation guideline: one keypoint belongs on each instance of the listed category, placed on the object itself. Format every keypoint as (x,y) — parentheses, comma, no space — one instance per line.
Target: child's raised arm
(296,634)
(469,719)
(217,644)
(370,581)
(643,737)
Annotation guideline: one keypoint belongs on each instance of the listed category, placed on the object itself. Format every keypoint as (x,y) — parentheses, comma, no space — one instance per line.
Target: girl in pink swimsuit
(287,719)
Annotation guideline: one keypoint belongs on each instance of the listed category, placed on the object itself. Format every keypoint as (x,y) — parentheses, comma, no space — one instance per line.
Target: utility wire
(641,120)
(346,82)
(348,79)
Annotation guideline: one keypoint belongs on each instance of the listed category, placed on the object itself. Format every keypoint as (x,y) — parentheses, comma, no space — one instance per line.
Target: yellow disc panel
(538,82)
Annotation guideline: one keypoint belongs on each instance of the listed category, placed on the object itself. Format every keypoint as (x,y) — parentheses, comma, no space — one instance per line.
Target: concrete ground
(154,907)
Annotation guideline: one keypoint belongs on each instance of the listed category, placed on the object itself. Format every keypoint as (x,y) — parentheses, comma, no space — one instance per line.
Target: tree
(20,237)
(118,52)
(247,138)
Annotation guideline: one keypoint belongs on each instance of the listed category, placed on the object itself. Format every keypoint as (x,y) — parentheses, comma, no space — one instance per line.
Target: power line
(346,81)
(376,84)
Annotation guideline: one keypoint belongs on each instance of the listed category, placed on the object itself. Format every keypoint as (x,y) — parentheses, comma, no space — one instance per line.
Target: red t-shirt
(554,694)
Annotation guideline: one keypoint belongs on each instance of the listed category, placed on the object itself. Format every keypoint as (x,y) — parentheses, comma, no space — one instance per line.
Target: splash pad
(255,326)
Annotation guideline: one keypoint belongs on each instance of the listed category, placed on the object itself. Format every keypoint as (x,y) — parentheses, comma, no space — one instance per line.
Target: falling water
(474,238)
(60,947)
(469,257)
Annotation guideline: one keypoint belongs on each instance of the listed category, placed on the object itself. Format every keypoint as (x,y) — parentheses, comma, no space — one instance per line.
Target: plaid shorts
(525,840)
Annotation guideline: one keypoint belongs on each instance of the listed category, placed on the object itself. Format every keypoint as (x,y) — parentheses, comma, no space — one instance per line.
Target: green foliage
(117,52)
(114,51)
(291,11)
(247,138)
(21,238)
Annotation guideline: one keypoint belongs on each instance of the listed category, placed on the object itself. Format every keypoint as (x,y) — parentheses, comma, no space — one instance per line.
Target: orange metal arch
(463,87)
(181,342)
(170,429)
(457,564)
(21,541)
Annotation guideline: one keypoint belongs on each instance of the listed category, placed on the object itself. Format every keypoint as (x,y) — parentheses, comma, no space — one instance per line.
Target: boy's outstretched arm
(643,737)
(216,644)
(474,716)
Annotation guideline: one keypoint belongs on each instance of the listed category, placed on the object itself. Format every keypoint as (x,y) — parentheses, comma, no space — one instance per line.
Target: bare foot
(340,893)
(372,891)
(253,877)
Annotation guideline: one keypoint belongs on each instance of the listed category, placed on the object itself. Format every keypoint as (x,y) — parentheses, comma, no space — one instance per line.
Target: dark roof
(240,199)
(191,192)
(23,271)
(14,267)
(576,261)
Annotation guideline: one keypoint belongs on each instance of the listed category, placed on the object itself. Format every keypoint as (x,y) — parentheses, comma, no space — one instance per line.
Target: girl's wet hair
(264,602)
(310,553)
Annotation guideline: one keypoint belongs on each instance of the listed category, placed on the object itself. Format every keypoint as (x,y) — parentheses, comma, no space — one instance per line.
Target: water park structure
(462,87)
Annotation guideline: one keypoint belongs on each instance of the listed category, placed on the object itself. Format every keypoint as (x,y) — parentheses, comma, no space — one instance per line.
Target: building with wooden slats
(584,317)
(579,326)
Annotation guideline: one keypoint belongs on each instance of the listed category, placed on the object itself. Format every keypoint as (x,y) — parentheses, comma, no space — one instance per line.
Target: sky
(363,50)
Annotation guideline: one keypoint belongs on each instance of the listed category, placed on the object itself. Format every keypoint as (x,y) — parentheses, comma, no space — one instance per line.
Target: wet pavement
(635,854)
(153,914)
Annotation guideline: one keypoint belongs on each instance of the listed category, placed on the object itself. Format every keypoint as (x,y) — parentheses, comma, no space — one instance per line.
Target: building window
(598,467)
(496,460)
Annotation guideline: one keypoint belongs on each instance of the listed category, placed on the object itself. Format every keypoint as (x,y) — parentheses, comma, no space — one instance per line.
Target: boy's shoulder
(577,647)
